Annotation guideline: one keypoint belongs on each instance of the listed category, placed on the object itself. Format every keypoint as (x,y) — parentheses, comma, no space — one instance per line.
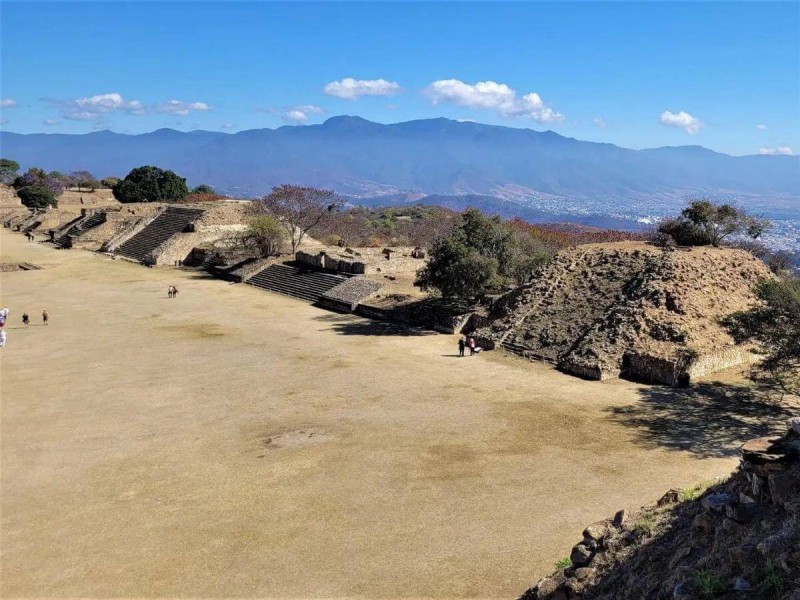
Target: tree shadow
(369,327)
(710,420)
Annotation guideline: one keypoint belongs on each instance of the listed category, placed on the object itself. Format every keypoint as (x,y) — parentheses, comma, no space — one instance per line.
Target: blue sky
(721,75)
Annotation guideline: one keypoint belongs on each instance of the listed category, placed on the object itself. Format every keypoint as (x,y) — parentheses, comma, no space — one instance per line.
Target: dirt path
(232,442)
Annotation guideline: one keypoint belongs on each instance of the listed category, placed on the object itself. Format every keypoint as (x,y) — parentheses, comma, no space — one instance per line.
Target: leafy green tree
(704,223)
(150,184)
(775,326)
(37,197)
(8,170)
(203,189)
(110,182)
(265,234)
(456,270)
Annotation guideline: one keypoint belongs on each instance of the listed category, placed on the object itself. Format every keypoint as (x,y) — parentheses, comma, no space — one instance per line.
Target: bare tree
(300,209)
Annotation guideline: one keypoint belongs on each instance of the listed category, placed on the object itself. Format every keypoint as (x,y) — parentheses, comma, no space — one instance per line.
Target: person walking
(45,318)
(25,320)
(169,292)
(472,346)
(461,345)
(174,292)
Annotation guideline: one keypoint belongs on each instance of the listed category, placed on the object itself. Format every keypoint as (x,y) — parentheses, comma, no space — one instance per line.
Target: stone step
(291,281)
(172,221)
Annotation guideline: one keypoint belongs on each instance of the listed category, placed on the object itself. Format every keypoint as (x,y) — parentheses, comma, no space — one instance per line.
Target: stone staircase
(173,220)
(292,281)
(64,239)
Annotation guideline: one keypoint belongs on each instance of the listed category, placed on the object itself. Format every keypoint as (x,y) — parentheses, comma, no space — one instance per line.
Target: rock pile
(738,539)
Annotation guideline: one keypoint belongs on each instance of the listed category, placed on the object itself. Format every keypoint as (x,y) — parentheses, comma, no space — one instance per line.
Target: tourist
(174,292)
(2,338)
(169,292)
(25,319)
(472,346)
(3,316)
(461,345)
(45,318)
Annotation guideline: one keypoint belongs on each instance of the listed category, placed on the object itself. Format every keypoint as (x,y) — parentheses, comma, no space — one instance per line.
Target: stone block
(580,556)
(784,486)
(716,502)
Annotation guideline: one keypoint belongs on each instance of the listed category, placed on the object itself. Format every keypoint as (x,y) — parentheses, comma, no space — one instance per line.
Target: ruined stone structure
(602,310)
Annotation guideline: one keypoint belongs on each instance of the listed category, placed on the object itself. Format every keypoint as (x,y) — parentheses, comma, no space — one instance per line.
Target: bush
(110,182)
(37,197)
(704,223)
(150,184)
(265,234)
(204,189)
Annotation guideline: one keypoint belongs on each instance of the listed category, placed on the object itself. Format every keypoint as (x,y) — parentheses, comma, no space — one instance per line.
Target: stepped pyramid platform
(65,237)
(290,280)
(173,220)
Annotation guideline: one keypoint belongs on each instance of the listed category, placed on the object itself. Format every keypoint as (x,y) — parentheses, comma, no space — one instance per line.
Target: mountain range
(515,171)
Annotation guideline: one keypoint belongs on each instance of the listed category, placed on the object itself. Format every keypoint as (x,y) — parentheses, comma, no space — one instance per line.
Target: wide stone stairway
(173,220)
(293,281)
(78,227)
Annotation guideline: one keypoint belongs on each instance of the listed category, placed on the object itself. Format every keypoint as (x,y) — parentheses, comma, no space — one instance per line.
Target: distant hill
(516,170)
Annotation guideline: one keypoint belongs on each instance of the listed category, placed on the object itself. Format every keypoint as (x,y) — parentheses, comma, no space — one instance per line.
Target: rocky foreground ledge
(737,539)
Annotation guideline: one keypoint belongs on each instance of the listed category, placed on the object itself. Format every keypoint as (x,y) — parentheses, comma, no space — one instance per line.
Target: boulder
(716,502)
(743,513)
(671,497)
(585,573)
(784,486)
(546,587)
(580,556)
(619,518)
(596,531)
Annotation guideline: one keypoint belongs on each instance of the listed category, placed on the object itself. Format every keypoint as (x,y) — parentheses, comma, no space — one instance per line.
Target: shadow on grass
(369,327)
(709,420)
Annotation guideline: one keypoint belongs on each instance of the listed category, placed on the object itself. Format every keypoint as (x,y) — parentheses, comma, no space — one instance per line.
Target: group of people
(172,292)
(26,320)
(467,343)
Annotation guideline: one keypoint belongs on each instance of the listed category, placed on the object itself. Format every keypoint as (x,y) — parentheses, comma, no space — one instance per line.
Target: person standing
(2,338)
(45,318)
(169,292)
(174,292)
(461,345)
(472,346)
(25,320)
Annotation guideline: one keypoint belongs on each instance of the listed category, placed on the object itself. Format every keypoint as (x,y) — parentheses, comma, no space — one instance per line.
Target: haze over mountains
(512,171)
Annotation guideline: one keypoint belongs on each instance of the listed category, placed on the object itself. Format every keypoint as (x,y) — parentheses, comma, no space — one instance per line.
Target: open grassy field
(232,442)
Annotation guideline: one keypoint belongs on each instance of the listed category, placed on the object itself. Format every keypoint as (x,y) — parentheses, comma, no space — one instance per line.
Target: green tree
(37,197)
(704,223)
(150,184)
(110,182)
(775,326)
(456,270)
(8,170)
(203,189)
(265,234)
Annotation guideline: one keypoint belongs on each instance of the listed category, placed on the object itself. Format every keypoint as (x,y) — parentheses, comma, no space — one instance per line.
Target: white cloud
(8,103)
(92,108)
(761,126)
(178,107)
(783,150)
(300,114)
(682,120)
(601,123)
(353,89)
(490,95)
(226,126)
(51,122)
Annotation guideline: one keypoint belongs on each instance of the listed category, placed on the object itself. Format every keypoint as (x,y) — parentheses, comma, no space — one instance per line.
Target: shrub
(37,197)
(265,234)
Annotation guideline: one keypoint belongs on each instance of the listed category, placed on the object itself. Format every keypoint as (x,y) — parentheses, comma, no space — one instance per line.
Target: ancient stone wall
(725,358)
